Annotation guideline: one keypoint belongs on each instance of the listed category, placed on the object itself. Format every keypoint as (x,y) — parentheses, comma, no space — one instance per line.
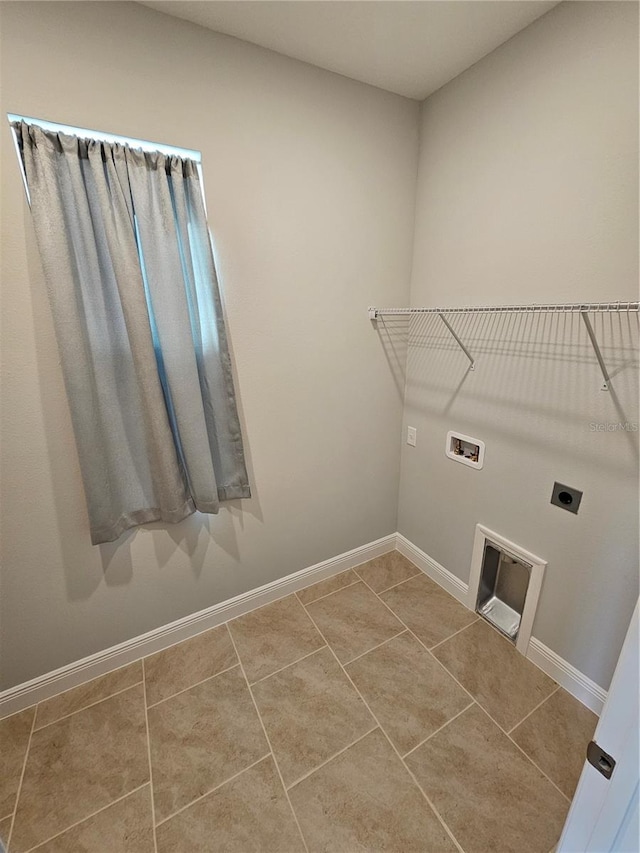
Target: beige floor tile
(556,737)
(364,799)
(310,711)
(430,612)
(488,793)
(408,691)
(187,663)
(202,737)
(87,694)
(318,590)
(14,739)
(80,764)
(274,636)
(503,681)
(387,570)
(353,621)
(5,828)
(124,827)
(250,814)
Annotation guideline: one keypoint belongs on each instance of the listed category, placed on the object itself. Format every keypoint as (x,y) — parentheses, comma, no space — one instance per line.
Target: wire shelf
(562,308)
(582,308)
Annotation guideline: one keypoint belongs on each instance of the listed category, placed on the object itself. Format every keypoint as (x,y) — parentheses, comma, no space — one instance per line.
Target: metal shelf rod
(562,308)
(472,365)
(596,349)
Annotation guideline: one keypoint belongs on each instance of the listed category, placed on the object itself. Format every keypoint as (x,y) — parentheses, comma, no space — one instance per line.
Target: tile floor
(371,711)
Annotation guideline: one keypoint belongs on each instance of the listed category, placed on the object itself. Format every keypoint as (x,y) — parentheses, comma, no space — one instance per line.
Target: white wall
(528,192)
(310,183)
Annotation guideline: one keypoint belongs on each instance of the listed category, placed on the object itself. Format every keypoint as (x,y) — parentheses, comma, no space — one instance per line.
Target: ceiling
(410,47)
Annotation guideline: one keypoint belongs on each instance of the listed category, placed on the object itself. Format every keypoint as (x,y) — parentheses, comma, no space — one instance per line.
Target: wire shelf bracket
(472,364)
(583,308)
(596,349)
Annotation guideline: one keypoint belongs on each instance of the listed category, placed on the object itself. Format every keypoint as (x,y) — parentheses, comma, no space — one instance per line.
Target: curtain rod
(562,308)
(101,136)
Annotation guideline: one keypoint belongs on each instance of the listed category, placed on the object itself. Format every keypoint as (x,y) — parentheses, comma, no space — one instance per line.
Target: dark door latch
(598,758)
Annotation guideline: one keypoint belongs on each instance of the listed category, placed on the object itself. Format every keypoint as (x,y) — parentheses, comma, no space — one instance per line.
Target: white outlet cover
(412,435)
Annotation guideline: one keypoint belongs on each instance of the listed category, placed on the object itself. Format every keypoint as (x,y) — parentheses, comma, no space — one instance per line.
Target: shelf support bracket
(596,349)
(458,341)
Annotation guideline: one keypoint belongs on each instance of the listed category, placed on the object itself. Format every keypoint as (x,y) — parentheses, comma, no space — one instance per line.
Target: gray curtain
(133,290)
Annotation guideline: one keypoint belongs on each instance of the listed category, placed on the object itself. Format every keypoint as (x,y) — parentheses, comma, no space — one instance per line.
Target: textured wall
(310,184)
(528,192)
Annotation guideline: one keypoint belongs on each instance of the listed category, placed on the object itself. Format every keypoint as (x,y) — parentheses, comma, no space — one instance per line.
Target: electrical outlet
(566,497)
(411,436)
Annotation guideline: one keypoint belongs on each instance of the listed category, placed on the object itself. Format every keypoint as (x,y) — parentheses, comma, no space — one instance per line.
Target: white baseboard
(574,682)
(48,685)
(447,580)
(567,676)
